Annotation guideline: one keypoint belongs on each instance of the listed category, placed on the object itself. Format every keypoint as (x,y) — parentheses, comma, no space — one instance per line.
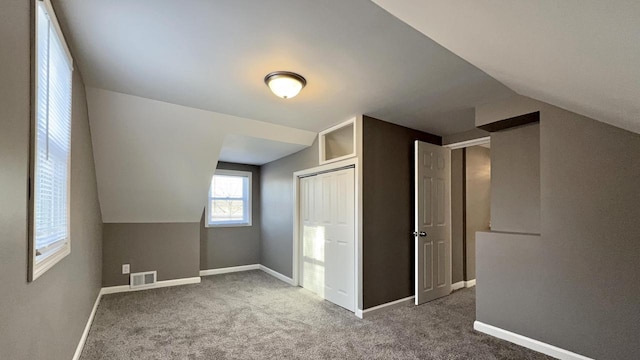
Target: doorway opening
(470,208)
(452,204)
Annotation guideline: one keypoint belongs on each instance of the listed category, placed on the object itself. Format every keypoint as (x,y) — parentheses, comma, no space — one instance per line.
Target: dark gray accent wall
(515,178)
(276,188)
(472,134)
(172,249)
(457,215)
(222,247)
(577,285)
(477,201)
(43,319)
(388,210)
(512,122)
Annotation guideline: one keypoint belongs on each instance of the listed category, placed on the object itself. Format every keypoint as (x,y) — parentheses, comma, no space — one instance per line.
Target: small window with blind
(51,145)
(229,201)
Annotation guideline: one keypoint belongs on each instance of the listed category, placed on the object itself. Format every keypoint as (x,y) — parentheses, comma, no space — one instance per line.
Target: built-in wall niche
(338,142)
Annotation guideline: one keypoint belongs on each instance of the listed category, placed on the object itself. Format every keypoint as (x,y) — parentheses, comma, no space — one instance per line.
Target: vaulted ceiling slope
(213,55)
(579,55)
(154,160)
(172,86)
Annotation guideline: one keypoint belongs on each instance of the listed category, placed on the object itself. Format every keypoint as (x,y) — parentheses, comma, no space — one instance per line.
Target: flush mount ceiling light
(285,84)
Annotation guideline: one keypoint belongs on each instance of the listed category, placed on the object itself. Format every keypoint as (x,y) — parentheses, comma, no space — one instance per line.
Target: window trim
(37,268)
(240,173)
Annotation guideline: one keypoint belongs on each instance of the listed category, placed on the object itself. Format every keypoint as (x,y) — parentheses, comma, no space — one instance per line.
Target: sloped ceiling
(213,55)
(255,151)
(174,85)
(581,55)
(154,160)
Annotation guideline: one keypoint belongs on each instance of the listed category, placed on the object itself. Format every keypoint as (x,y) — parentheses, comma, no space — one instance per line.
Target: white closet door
(328,216)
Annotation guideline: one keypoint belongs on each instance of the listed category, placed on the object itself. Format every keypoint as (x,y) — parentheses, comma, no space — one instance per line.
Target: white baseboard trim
(226,270)
(463,284)
(229,269)
(277,275)
(384,307)
(119,289)
(457,286)
(532,344)
(159,284)
(85,333)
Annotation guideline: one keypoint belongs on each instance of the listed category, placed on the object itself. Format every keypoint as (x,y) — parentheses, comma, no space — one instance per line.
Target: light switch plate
(126,269)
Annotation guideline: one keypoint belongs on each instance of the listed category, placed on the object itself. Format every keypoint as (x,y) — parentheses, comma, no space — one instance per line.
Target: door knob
(421,233)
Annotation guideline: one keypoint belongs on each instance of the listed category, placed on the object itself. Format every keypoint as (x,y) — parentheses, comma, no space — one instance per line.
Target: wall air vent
(143,279)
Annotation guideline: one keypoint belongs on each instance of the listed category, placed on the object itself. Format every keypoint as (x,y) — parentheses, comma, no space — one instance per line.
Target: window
(229,199)
(51,144)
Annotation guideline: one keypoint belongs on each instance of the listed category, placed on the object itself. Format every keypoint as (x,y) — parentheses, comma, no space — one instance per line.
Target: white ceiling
(254,151)
(213,55)
(581,55)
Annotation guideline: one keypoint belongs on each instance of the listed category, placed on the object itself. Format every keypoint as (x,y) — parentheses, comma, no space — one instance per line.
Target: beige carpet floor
(251,315)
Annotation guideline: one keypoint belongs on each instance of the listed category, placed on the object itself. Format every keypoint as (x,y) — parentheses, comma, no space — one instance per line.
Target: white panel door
(432,221)
(328,230)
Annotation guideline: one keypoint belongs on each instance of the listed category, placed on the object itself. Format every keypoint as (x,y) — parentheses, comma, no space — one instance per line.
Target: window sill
(228,225)
(47,263)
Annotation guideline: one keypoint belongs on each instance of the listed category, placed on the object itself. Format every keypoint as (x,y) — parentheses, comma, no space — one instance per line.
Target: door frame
(297,236)
(468,143)
(453,146)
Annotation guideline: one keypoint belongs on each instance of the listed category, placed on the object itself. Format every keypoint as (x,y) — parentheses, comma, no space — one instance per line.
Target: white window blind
(229,198)
(52,133)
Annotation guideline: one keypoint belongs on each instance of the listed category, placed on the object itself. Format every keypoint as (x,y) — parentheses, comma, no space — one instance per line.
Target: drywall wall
(276,188)
(576,286)
(235,245)
(472,134)
(43,319)
(388,210)
(172,249)
(515,179)
(457,215)
(477,202)
(509,280)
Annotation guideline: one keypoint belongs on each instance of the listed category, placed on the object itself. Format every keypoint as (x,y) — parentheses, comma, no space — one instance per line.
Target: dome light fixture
(285,84)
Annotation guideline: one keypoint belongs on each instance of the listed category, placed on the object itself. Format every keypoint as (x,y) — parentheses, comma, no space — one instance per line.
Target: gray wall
(233,246)
(478,202)
(172,249)
(276,187)
(457,215)
(515,178)
(576,286)
(388,210)
(43,319)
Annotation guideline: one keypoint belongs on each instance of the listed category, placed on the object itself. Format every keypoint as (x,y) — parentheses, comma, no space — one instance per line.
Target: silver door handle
(421,233)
